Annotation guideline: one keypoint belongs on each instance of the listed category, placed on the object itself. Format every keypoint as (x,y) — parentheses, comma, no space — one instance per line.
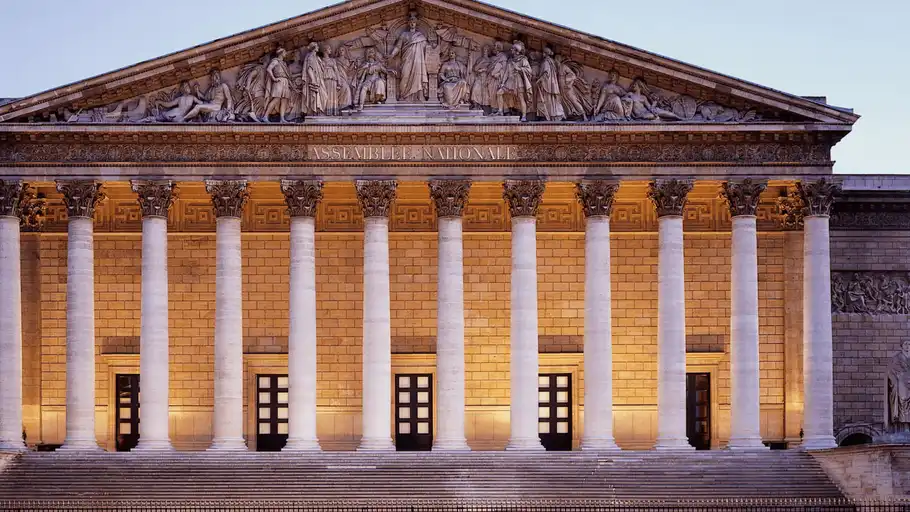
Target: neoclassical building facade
(440,225)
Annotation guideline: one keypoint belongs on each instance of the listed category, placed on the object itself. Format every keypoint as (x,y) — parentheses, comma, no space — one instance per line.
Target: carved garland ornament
(302,196)
(669,195)
(818,196)
(523,196)
(449,196)
(790,210)
(155,197)
(376,196)
(228,196)
(10,197)
(80,197)
(32,210)
(742,197)
(596,197)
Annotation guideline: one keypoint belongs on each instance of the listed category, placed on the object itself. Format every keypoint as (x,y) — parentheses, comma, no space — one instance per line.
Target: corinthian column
(450,197)
(818,412)
(523,197)
(597,203)
(376,198)
(669,197)
(228,198)
(11,193)
(155,199)
(80,198)
(302,197)
(745,421)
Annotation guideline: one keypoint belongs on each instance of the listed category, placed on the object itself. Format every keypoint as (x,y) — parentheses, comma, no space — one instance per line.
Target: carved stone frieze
(879,214)
(155,197)
(32,210)
(818,196)
(790,210)
(742,197)
(376,196)
(523,196)
(228,196)
(10,195)
(596,197)
(80,197)
(302,196)
(669,195)
(449,196)
(871,293)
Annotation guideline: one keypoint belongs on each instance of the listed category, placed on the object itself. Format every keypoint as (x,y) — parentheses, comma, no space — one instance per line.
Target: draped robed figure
(411,46)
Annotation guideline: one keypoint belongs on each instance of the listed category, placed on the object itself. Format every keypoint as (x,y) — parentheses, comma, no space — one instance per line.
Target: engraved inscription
(416,153)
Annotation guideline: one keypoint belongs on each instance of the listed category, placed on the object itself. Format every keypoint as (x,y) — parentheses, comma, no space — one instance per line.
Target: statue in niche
(480,87)
(610,105)
(337,83)
(219,101)
(313,95)
(549,98)
(498,63)
(898,413)
(411,46)
(179,106)
(278,87)
(371,80)
(453,81)
(574,90)
(515,90)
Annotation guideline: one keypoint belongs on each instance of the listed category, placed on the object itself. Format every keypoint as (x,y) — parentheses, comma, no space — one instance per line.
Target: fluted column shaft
(80,199)
(597,203)
(818,413)
(670,198)
(10,319)
(154,201)
(302,198)
(375,200)
(228,198)
(449,197)
(524,198)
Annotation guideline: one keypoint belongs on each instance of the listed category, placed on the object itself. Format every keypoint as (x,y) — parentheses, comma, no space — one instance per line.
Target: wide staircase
(415,481)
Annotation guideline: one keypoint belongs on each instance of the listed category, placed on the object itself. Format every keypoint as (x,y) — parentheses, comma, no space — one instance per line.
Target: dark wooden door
(127,411)
(554,411)
(271,412)
(413,412)
(698,410)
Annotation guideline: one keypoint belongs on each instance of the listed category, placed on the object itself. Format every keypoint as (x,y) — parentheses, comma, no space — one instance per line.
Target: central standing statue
(414,81)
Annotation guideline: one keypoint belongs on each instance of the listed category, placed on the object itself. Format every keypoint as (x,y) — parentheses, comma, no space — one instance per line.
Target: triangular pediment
(468,65)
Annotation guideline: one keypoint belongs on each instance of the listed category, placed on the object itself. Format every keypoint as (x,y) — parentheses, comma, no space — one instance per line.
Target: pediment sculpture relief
(412,63)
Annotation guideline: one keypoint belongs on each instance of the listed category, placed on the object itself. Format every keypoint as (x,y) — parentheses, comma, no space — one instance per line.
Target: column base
(525,445)
(13,446)
(743,444)
(673,444)
(302,445)
(153,445)
(605,444)
(81,445)
(818,443)
(229,444)
(382,444)
(451,445)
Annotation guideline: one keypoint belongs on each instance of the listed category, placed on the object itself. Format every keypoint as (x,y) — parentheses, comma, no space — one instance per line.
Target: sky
(855,52)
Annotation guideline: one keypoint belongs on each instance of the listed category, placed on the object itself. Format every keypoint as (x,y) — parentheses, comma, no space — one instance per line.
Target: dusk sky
(857,53)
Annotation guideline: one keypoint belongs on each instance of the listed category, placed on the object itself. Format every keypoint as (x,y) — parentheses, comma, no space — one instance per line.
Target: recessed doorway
(698,410)
(271,412)
(126,422)
(554,411)
(413,412)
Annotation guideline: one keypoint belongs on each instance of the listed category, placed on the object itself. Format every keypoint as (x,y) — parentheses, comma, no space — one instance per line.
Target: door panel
(698,410)
(271,412)
(127,412)
(413,412)
(554,411)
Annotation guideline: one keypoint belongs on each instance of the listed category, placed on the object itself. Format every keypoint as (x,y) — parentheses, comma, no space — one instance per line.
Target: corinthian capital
(449,196)
(10,197)
(596,197)
(523,196)
(80,197)
(155,197)
(818,196)
(228,196)
(669,195)
(302,196)
(742,197)
(376,196)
